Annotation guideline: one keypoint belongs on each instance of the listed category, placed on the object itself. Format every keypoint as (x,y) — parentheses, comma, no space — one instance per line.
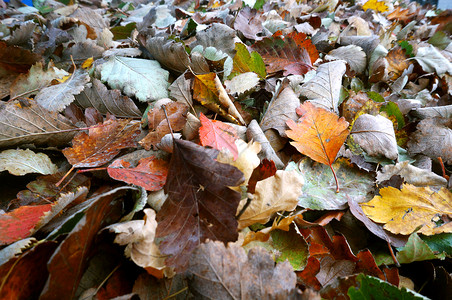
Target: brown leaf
(224,273)
(14,59)
(249,23)
(200,205)
(157,122)
(101,144)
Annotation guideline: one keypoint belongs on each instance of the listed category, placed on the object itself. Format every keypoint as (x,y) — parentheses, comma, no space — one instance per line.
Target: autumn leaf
(150,173)
(318,134)
(200,205)
(376,5)
(244,62)
(101,144)
(403,211)
(218,135)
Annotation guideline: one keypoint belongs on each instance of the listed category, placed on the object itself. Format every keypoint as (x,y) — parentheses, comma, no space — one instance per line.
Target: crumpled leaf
(277,193)
(411,175)
(199,206)
(403,211)
(223,273)
(319,190)
(318,134)
(142,78)
(24,121)
(101,144)
(324,89)
(36,79)
(107,101)
(375,135)
(433,137)
(218,135)
(57,97)
(20,162)
(150,172)
(352,54)
(139,236)
(431,60)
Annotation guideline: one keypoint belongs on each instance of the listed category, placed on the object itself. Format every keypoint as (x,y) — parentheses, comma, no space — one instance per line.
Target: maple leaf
(101,144)
(150,173)
(318,134)
(177,117)
(200,205)
(403,211)
(218,135)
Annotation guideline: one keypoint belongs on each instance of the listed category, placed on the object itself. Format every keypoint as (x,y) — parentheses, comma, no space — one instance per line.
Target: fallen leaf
(218,135)
(375,135)
(220,272)
(376,5)
(169,53)
(242,83)
(249,23)
(180,90)
(416,250)
(433,138)
(352,54)
(277,193)
(397,62)
(431,60)
(57,97)
(20,162)
(150,172)
(324,89)
(42,127)
(244,62)
(142,78)
(148,287)
(199,206)
(158,123)
(403,211)
(219,36)
(101,144)
(266,168)
(264,234)
(404,15)
(255,132)
(318,134)
(14,59)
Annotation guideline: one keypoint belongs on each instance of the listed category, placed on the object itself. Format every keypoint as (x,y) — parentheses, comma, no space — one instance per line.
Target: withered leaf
(101,144)
(200,205)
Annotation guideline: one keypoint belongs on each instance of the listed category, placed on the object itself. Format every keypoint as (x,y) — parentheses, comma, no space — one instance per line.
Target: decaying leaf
(403,211)
(375,134)
(199,206)
(101,144)
(318,134)
(277,193)
(220,272)
(20,162)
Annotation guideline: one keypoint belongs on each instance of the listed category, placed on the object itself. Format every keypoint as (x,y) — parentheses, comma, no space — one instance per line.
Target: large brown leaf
(200,204)
(101,144)
(25,122)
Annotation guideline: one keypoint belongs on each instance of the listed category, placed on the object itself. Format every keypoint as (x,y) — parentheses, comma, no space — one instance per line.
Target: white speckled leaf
(142,78)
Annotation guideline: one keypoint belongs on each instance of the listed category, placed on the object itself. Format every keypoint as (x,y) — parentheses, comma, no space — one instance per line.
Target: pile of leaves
(225,149)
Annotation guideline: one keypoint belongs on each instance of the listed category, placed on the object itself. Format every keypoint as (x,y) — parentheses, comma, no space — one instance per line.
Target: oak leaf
(200,205)
(218,135)
(101,144)
(403,211)
(150,173)
(318,134)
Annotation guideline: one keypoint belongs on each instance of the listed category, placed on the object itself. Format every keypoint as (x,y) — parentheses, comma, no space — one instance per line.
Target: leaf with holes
(318,134)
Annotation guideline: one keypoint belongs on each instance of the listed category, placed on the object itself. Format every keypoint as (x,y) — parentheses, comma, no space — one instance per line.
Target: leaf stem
(64,177)
(335,178)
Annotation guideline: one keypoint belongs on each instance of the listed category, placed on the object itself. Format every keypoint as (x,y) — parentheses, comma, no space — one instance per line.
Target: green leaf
(416,250)
(440,243)
(375,96)
(142,78)
(392,109)
(369,287)
(440,40)
(319,190)
(123,32)
(244,62)
(259,4)
(407,47)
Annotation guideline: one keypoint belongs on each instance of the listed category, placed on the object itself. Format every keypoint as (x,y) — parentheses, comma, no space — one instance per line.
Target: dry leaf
(403,211)
(20,162)
(218,135)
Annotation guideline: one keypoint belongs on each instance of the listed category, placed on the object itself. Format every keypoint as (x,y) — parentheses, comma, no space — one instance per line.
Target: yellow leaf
(88,63)
(403,211)
(375,5)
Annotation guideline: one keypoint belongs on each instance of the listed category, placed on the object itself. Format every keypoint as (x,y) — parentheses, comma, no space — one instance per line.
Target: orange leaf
(150,173)
(318,134)
(101,144)
(218,135)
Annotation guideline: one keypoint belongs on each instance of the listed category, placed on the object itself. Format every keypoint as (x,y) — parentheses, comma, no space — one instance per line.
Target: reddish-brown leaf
(318,134)
(266,169)
(218,135)
(177,116)
(200,205)
(150,173)
(101,144)
(15,59)
(307,276)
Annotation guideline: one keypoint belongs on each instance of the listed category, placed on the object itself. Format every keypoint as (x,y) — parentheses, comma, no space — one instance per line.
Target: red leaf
(200,205)
(218,135)
(101,144)
(18,224)
(150,173)
(266,169)
(307,276)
